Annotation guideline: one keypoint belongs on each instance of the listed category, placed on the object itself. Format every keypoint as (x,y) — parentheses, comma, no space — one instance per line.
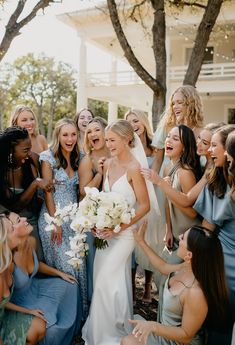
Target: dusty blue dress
(54,254)
(55,297)
(222,213)
(14,325)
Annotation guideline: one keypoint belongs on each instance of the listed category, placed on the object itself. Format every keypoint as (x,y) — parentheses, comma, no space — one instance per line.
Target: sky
(45,33)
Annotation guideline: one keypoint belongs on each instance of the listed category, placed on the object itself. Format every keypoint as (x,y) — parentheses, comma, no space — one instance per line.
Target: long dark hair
(189,158)
(208,268)
(9,139)
(218,176)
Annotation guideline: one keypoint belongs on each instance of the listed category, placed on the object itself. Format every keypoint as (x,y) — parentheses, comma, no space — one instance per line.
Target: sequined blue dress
(64,193)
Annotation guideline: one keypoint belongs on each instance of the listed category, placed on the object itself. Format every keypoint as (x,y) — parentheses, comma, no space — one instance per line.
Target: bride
(111,304)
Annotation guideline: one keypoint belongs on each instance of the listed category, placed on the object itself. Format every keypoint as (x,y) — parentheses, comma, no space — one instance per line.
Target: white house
(216,82)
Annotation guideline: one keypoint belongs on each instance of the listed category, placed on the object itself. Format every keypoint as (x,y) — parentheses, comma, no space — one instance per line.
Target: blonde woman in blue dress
(112,304)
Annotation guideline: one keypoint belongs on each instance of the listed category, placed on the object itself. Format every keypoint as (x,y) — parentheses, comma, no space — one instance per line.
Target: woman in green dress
(16,327)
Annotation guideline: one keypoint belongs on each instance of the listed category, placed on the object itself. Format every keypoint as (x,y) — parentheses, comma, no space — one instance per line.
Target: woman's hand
(56,235)
(44,184)
(68,277)
(38,313)
(101,165)
(151,175)
(106,234)
(139,233)
(142,329)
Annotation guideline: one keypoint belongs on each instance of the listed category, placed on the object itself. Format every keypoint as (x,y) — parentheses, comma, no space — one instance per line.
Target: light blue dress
(54,254)
(55,297)
(222,213)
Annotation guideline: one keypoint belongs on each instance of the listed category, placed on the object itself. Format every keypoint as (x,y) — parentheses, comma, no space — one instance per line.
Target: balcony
(176,74)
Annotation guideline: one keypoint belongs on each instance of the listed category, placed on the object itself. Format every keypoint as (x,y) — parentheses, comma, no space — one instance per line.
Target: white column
(112,112)
(113,107)
(82,76)
(168,63)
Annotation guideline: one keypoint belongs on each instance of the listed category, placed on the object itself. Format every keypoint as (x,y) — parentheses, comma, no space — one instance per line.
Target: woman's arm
(187,181)
(47,173)
(158,159)
(141,193)
(34,312)
(194,314)
(179,198)
(28,194)
(51,271)
(86,176)
(158,263)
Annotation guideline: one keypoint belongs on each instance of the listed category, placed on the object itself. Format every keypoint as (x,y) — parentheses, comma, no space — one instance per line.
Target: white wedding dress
(112,303)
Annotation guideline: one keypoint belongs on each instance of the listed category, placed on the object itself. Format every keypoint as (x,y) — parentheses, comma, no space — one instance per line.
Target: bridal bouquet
(98,210)
(102,210)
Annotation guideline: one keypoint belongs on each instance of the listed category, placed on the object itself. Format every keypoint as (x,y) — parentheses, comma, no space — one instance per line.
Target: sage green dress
(14,325)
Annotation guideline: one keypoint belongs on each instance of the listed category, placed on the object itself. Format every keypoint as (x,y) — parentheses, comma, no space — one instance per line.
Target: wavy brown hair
(230,148)
(56,148)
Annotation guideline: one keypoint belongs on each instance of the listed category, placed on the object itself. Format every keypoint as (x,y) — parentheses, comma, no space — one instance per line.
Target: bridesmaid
(90,175)
(154,233)
(82,119)
(189,304)
(54,298)
(24,117)
(60,163)
(18,326)
(185,107)
(19,177)
(216,205)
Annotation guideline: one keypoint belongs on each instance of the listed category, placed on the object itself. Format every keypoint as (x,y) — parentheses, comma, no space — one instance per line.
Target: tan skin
(122,162)
(22,152)
(90,163)
(26,119)
(68,139)
(37,328)
(192,298)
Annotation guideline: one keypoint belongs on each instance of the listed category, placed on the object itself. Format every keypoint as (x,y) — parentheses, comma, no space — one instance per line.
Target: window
(231,116)
(208,57)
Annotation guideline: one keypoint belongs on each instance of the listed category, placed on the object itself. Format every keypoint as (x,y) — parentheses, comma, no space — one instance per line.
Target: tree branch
(203,34)
(13,27)
(128,52)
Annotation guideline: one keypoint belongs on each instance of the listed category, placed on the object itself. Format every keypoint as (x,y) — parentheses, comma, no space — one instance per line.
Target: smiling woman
(24,117)
(60,163)
(19,173)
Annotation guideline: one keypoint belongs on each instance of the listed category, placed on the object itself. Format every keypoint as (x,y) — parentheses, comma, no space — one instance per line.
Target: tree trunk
(159,50)
(203,34)
(158,106)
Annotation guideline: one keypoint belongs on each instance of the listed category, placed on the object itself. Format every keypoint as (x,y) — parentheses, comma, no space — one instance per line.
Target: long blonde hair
(17,111)
(194,112)
(142,117)
(5,251)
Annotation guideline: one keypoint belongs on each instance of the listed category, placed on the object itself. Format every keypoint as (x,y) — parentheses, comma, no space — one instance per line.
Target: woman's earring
(10,160)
